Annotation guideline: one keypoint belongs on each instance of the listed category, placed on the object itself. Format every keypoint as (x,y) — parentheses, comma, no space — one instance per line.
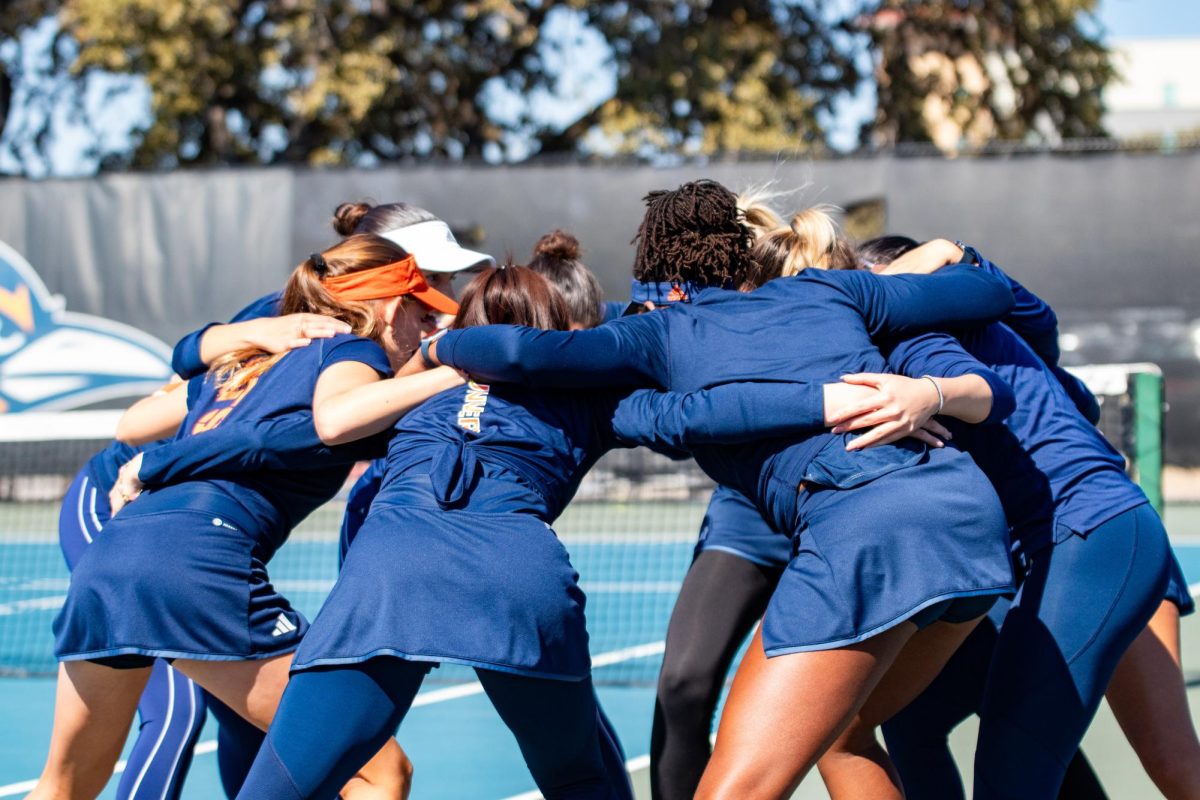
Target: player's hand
(280,334)
(906,410)
(847,401)
(923,260)
(128,486)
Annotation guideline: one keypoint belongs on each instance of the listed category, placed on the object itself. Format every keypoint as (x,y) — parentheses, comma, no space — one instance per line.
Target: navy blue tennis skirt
(889,551)
(490,590)
(176,574)
(1178,591)
(733,524)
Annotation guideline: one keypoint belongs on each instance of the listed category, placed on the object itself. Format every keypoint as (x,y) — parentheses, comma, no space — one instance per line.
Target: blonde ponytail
(814,235)
(811,240)
(757,215)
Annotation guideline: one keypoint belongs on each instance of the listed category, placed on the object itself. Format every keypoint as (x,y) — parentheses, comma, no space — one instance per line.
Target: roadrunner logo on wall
(55,360)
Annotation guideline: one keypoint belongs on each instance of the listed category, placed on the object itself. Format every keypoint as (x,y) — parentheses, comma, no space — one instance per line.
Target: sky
(1128,19)
(1122,19)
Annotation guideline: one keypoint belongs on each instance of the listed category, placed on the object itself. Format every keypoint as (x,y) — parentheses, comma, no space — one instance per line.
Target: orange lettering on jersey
(211,419)
(225,394)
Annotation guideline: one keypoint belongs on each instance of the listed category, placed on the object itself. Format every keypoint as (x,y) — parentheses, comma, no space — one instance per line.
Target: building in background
(1158,92)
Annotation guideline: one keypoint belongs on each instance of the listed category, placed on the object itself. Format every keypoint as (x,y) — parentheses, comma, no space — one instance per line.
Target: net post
(1148,409)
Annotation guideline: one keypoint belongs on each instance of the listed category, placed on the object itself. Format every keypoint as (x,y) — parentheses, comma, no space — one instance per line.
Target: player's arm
(352,401)
(269,334)
(1031,318)
(236,447)
(905,305)
(630,351)
(155,417)
(725,414)
(737,412)
(258,326)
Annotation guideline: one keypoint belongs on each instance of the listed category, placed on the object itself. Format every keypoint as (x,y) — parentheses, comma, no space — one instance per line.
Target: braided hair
(693,234)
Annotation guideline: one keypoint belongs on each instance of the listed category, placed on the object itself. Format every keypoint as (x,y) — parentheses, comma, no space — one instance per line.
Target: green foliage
(1003,69)
(317,81)
(332,82)
(717,77)
(16,16)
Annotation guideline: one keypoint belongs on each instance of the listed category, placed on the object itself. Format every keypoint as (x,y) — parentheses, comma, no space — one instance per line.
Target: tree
(318,81)
(17,17)
(978,70)
(715,77)
(331,82)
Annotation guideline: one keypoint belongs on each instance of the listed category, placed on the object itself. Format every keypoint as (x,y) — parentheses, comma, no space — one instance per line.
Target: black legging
(722,597)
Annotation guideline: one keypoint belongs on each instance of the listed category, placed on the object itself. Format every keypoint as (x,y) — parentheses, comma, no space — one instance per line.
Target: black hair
(886,249)
(693,234)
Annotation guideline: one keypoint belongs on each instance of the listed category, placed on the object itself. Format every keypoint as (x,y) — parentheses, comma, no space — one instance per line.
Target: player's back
(277,499)
(548,438)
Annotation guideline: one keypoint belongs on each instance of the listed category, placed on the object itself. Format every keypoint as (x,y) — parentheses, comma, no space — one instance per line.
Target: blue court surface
(456,741)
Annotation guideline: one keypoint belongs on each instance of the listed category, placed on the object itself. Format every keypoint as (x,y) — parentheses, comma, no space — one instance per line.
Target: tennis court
(631,557)
(459,746)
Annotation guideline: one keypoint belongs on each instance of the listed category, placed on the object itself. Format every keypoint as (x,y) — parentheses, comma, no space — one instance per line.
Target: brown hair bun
(558,244)
(347,216)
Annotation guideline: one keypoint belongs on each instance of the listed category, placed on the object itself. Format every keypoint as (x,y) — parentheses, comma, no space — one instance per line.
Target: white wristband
(941,397)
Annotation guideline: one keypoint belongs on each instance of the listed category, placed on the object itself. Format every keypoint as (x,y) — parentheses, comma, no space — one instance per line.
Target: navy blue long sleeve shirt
(664,421)
(1054,472)
(1036,323)
(550,438)
(278,499)
(813,327)
(1031,318)
(289,442)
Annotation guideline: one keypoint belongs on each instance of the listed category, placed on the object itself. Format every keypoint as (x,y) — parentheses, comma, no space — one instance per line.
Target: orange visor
(398,278)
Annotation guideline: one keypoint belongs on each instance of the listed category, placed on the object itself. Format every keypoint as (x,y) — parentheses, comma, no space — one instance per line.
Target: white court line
(630,587)
(35,584)
(600,660)
(628,654)
(632,765)
(32,604)
(422,699)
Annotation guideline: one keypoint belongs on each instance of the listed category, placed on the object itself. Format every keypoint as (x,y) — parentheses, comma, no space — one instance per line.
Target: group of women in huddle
(899,457)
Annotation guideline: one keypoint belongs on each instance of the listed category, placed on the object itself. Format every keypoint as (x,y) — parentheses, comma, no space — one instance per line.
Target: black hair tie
(319,266)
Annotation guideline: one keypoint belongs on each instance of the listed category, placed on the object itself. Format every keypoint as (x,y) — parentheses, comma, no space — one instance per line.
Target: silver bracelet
(941,397)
